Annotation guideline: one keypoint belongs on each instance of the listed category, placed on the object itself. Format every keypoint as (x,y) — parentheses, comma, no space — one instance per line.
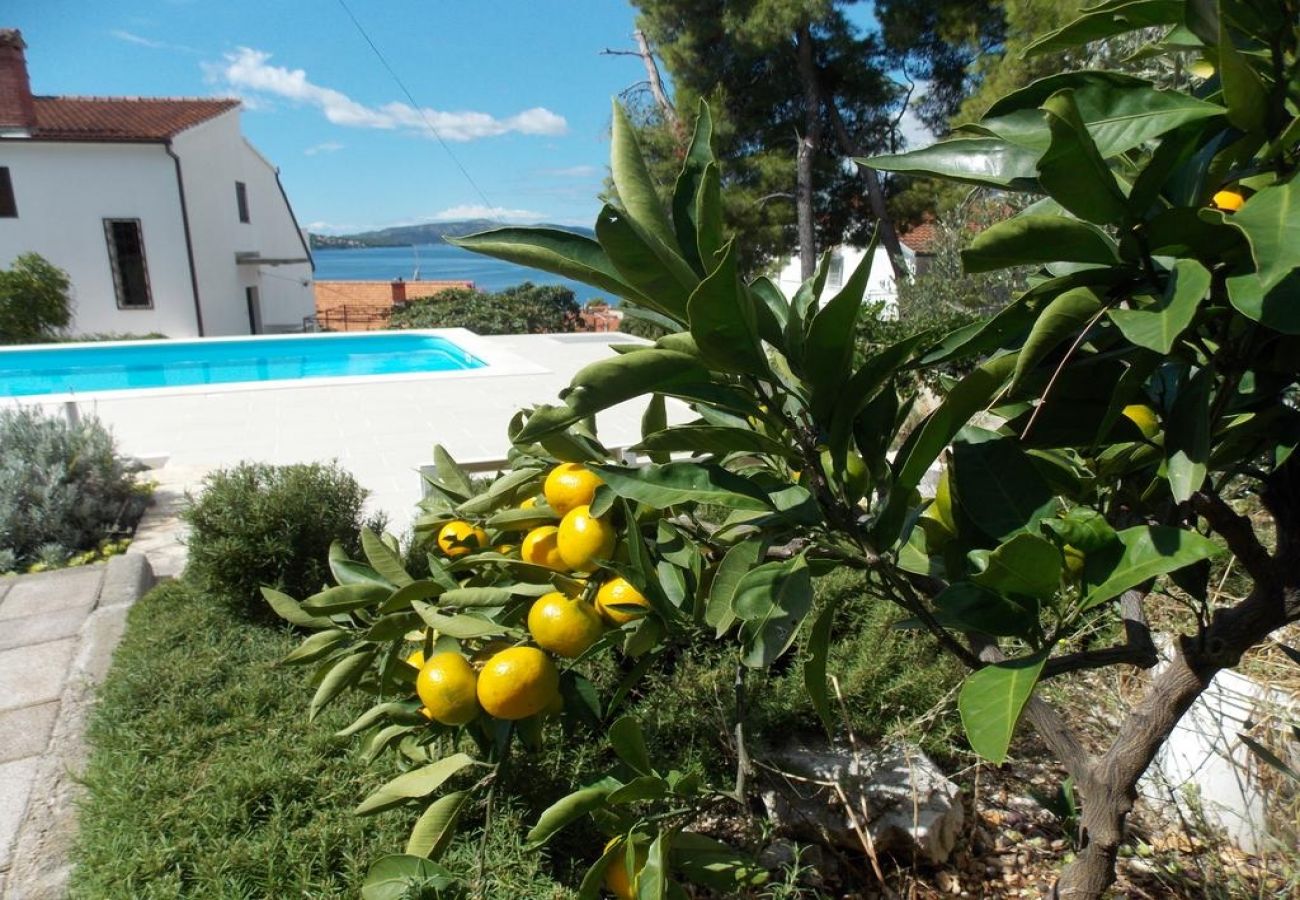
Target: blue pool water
(117,367)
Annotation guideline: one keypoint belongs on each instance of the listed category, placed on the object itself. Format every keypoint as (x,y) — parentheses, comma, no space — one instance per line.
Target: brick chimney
(399,291)
(17,110)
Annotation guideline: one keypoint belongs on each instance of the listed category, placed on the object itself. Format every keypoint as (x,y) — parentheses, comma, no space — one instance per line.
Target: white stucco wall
(214,155)
(64,191)
(880,283)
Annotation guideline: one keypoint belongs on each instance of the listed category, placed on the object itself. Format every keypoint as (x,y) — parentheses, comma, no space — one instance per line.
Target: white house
(917,244)
(164,217)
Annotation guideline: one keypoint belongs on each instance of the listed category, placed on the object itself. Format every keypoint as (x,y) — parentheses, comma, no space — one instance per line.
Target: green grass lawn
(207,780)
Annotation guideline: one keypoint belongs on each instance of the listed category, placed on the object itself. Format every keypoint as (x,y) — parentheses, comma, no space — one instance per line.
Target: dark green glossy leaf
(718,612)
(386,562)
(986,161)
(636,190)
(1072,171)
(772,601)
(1060,321)
(1158,326)
(341,675)
(629,745)
(684,482)
(710,439)
(828,349)
(1244,92)
(814,667)
(723,322)
(569,809)
(1027,565)
(417,783)
(638,263)
(1187,437)
(1082,528)
(991,702)
(699,156)
(435,828)
(292,612)
(1028,240)
(551,250)
(653,421)
(345,598)
(1142,553)
(998,488)
(970,607)
(1107,20)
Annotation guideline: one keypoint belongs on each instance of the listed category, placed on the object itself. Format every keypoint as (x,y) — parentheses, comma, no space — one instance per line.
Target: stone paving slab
(34,674)
(41,627)
(50,591)
(25,731)
(16,779)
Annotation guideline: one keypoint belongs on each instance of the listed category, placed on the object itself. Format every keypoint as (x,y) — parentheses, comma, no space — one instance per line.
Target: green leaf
(639,789)
(653,881)
(402,877)
(832,333)
(503,491)
(739,559)
(344,598)
(970,607)
(1026,564)
(465,598)
(346,571)
(292,612)
(1061,320)
(450,474)
(551,250)
(1273,307)
(1158,326)
(1030,240)
(463,627)
(684,482)
(523,519)
(710,439)
(686,221)
(404,712)
(434,829)
(998,488)
(569,809)
(641,265)
(383,559)
(723,322)
(340,676)
(1107,20)
(991,702)
(772,601)
(636,192)
(1082,528)
(629,745)
(1072,171)
(986,161)
(654,420)
(1270,220)
(1244,92)
(316,646)
(814,667)
(708,216)
(1187,437)
(414,784)
(1142,553)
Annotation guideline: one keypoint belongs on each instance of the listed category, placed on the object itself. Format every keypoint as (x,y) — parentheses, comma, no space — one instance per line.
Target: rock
(902,799)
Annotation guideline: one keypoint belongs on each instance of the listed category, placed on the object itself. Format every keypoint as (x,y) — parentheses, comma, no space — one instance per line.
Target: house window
(241,198)
(126,253)
(835,274)
(254,309)
(8,208)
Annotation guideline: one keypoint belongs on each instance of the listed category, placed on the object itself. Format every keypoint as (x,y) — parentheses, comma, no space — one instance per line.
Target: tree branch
(1240,536)
(1138,650)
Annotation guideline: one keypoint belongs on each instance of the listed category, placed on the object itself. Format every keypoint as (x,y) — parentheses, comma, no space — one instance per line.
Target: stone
(126,579)
(15,787)
(42,627)
(47,592)
(34,674)
(897,794)
(24,731)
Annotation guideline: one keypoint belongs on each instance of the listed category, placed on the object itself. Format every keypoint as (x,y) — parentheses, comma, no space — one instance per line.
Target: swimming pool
(76,369)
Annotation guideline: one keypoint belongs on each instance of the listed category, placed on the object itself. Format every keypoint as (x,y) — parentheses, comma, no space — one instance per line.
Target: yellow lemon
(1144,417)
(570,485)
(584,538)
(540,547)
(566,626)
(518,683)
(1227,200)
(619,592)
(447,685)
(617,881)
(454,536)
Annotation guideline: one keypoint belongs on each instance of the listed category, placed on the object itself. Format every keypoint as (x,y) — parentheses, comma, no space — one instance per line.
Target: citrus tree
(1117,410)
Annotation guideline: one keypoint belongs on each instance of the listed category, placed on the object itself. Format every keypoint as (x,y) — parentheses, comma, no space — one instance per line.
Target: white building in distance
(164,217)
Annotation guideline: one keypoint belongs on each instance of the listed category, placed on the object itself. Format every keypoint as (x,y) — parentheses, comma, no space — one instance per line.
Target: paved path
(57,634)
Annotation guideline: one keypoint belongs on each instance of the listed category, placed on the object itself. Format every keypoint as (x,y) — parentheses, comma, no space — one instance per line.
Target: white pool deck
(380,429)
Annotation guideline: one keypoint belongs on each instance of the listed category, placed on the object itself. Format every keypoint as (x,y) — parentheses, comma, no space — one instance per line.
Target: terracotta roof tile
(333,294)
(122,118)
(920,238)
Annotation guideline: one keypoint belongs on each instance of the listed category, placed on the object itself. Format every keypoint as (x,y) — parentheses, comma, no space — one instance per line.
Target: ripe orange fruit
(617,881)
(566,626)
(1227,200)
(447,685)
(584,538)
(518,683)
(570,485)
(460,530)
(540,547)
(619,592)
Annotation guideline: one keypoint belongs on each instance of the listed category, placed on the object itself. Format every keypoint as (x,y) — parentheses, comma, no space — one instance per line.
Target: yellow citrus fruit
(1201,68)
(1144,417)
(619,592)
(570,485)
(530,503)
(540,547)
(518,683)
(1073,561)
(584,538)
(616,877)
(416,659)
(505,549)
(566,626)
(447,686)
(1228,200)
(460,530)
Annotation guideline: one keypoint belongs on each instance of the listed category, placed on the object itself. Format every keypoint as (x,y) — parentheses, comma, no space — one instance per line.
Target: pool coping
(496,360)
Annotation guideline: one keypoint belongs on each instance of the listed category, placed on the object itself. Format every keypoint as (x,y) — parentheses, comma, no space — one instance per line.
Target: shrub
(34,302)
(258,524)
(524,309)
(63,488)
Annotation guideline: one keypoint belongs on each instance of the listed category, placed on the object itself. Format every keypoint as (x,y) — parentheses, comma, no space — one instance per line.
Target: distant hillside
(405,235)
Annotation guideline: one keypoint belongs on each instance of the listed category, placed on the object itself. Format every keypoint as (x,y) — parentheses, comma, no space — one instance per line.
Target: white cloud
(248,71)
(323,147)
(914,133)
(131,38)
(497,213)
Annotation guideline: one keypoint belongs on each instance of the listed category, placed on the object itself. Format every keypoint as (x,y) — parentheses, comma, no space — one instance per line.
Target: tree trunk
(808,146)
(875,194)
(666,107)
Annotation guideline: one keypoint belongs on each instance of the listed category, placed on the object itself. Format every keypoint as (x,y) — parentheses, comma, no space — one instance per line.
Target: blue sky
(518,90)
